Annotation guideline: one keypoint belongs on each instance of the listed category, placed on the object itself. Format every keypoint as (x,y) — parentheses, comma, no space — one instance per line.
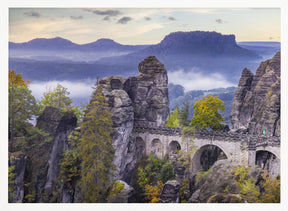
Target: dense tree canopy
(206,113)
(22,105)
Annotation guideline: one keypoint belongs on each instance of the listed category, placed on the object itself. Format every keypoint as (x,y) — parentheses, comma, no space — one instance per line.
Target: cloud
(124,20)
(170,18)
(198,81)
(220,21)
(32,14)
(106,18)
(107,13)
(76,17)
(147,18)
(110,13)
(79,91)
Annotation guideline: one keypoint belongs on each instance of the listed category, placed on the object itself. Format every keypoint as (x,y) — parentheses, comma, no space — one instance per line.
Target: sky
(142,25)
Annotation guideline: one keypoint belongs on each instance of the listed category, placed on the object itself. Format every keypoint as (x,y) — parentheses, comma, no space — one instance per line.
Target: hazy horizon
(142,25)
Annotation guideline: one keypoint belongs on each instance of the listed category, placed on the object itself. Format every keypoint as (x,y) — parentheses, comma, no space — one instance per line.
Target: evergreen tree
(206,113)
(96,150)
(179,116)
(183,114)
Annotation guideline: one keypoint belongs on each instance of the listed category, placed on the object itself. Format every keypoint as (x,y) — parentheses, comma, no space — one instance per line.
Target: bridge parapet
(170,131)
(268,141)
(215,135)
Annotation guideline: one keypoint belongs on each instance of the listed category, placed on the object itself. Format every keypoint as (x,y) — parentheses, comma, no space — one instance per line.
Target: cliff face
(18,160)
(120,106)
(45,171)
(149,93)
(137,101)
(256,103)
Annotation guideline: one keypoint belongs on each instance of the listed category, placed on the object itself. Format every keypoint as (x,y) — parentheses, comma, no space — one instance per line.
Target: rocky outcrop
(137,101)
(256,103)
(122,116)
(59,125)
(170,192)
(17,160)
(65,126)
(121,194)
(226,198)
(149,93)
(220,177)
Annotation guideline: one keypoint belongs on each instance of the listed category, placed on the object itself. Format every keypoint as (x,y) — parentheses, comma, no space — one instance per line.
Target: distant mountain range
(61,44)
(205,52)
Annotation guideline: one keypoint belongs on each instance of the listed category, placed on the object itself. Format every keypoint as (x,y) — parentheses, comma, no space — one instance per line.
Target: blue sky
(141,26)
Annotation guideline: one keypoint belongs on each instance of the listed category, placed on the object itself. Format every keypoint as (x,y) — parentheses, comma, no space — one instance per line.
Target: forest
(86,167)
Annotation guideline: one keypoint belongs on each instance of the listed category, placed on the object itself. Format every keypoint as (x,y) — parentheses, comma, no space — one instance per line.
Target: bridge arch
(157,147)
(269,161)
(206,156)
(173,147)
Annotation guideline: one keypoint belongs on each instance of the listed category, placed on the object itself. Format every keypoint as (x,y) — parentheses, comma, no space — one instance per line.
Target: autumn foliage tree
(270,188)
(22,105)
(151,175)
(206,113)
(96,151)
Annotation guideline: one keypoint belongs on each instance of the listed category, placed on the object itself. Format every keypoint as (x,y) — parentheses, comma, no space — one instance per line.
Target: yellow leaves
(153,193)
(206,113)
(249,190)
(271,188)
(117,187)
(15,80)
(240,174)
(142,177)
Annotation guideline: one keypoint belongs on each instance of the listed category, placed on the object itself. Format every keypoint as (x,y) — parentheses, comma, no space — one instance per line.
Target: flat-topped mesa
(149,93)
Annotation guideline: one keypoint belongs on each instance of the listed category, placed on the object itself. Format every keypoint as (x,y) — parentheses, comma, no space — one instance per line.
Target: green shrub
(116,188)
(167,172)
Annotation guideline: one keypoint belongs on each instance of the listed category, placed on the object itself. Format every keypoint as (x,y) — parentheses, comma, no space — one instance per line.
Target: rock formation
(18,160)
(63,124)
(220,177)
(125,195)
(137,101)
(122,116)
(149,93)
(256,103)
(170,192)
(58,125)
(226,198)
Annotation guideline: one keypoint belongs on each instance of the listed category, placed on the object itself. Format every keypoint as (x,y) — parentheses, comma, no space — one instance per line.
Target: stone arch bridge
(239,148)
